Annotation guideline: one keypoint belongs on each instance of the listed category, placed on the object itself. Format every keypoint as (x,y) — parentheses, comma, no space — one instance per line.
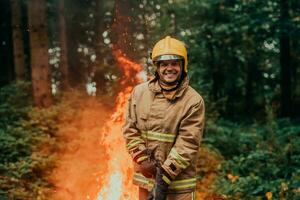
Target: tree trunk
(76,71)
(249,86)
(18,46)
(122,29)
(146,44)
(39,57)
(215,73)
(99,26)
(98,68)
(63,64)
(6,47)
(285,61)
(295,74)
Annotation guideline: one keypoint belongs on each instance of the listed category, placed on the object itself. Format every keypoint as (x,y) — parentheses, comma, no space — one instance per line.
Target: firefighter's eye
(175,64)
(163,65)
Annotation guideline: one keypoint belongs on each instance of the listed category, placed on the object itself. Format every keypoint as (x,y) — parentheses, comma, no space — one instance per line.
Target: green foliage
(234,52)
(26,136)
(234,62)
(258,158)
(14,103)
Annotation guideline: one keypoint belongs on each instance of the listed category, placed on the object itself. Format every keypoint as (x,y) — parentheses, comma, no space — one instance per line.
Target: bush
(260,160)
(26,143)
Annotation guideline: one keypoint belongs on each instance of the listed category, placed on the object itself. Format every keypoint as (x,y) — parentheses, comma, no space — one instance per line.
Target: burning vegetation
(93,161)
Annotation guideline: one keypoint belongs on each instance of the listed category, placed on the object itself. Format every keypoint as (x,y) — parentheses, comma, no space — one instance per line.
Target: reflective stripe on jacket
(172,129)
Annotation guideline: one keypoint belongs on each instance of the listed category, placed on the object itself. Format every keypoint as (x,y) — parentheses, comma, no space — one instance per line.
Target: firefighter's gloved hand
(162,181)
(148,168)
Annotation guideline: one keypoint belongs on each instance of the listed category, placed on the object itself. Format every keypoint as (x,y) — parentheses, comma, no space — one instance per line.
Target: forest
(67,66)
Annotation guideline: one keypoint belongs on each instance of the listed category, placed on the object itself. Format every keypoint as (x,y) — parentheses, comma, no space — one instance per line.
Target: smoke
(81,159)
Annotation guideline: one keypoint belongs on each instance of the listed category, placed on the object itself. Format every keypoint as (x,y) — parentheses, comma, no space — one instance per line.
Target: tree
(122,28)
(6,51)
(18,46)
(74,14)
(39,58)
(63,64)
(285,67)
(99,67)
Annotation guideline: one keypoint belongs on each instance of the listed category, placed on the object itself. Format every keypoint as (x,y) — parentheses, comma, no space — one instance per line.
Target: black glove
(159,191)
(148,168)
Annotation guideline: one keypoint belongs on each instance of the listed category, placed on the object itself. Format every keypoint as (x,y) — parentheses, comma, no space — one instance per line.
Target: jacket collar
(155,87)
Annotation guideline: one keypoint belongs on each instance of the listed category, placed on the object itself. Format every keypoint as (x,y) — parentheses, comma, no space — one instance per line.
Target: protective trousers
(143,194)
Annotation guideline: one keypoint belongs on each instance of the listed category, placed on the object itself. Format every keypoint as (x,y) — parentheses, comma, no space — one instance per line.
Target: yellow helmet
(169,49)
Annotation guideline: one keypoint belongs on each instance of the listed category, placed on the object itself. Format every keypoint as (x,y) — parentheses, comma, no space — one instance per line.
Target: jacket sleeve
(135,144)
(186,147)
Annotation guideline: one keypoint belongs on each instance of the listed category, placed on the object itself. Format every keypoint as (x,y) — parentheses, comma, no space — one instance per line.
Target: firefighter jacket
(170,128)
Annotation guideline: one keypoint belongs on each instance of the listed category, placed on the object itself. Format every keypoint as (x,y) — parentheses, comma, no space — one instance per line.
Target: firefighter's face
(169,71)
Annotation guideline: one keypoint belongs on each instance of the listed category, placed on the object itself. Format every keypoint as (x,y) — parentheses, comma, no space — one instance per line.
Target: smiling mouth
(172,73)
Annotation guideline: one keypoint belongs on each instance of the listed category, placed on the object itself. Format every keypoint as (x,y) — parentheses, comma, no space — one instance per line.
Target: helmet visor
(167,57)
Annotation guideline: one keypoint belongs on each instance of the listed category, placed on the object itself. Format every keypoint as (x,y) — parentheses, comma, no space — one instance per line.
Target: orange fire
(118,185)
(94,163)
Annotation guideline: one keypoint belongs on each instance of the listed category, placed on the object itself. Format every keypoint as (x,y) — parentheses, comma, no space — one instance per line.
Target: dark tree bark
(99,25)
(63,65)
(6,47)
(146,42)
(122,28)
(286,101)
(295,74)
(251,66)
(39,59)
(76,73)
(99,71)
(215,73)
(18,43)
(251,70)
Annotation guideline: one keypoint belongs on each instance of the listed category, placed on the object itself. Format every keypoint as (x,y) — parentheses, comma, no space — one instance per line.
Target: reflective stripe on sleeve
(134,142)
(174,185)
(139,178)
(142,158)
(163,137)
(193,196)
(183,184)
(179,159)
(166,179)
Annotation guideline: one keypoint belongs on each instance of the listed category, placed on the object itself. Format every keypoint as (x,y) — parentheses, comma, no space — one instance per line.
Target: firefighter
(163,127)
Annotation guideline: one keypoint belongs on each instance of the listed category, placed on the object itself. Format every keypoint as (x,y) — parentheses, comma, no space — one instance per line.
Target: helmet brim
(167,57)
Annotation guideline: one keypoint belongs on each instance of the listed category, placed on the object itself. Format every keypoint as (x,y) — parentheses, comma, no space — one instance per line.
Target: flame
(95,164)
(114,188)
(118,184)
